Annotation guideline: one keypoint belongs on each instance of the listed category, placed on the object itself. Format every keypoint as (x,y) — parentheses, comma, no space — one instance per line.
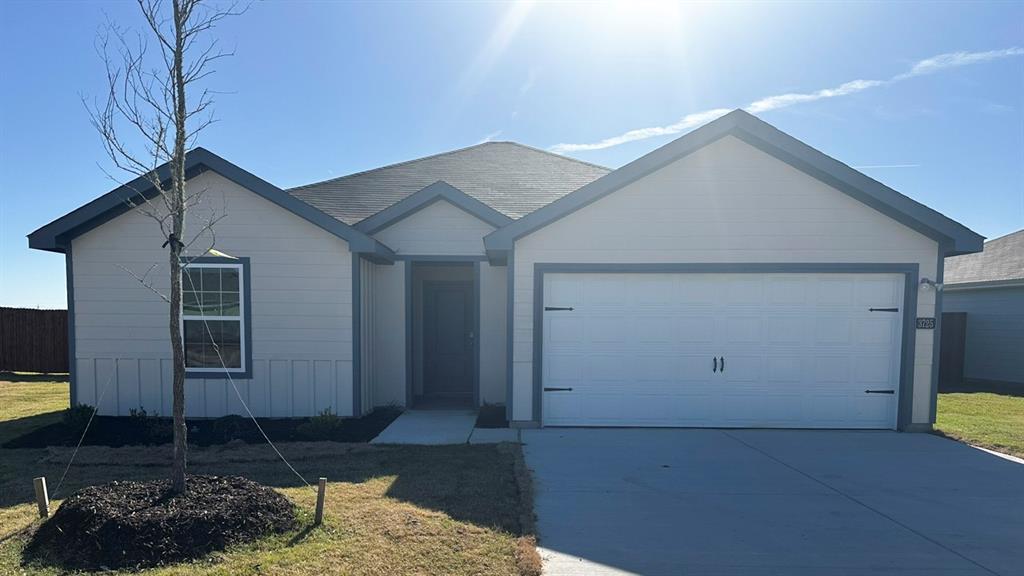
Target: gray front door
(448,340)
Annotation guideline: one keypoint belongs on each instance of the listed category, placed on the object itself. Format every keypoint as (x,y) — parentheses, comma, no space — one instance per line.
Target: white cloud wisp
(920,68)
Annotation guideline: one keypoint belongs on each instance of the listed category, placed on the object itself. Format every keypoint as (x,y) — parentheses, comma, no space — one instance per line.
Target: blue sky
(927,97)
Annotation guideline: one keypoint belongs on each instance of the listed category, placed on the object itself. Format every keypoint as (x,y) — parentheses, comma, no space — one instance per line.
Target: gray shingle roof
(1002,259)
(511,178)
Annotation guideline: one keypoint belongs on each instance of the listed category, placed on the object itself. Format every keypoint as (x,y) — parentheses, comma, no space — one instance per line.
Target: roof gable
(437,191)
(953,237)
(55,236)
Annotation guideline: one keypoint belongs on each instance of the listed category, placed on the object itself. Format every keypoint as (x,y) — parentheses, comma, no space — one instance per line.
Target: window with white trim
(213,317)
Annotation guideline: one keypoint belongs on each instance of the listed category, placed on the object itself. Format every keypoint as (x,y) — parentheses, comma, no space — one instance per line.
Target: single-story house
(989,287)
(734,277)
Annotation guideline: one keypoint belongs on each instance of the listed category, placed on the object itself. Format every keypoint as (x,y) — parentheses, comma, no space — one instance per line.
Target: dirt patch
(149,430)
(140,524)
(491,416)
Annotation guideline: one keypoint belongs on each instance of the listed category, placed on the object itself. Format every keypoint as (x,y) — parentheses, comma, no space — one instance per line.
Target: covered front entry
(444,334)
(790,350)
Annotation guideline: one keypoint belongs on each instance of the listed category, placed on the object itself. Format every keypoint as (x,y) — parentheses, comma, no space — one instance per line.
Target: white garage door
(721,350)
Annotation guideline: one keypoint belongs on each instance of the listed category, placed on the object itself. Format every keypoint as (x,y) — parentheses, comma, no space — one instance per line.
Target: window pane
(192,280)
(211,279)
(229,303)
(190,303)
(229,279)
(230,332)
(232,355)
(211,303)
(193,332)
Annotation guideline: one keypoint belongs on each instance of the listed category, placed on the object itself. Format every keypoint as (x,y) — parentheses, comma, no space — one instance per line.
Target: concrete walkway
(442,427)
(779,502)
(429,427)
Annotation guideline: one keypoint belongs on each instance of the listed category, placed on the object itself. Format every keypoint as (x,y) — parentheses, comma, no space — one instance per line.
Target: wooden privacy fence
(33,340)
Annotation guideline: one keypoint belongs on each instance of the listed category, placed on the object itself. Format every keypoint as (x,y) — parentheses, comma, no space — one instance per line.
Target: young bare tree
(151,117)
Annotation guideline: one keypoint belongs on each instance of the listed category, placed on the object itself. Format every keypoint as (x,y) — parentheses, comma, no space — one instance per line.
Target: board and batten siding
(439,229)
(301,290)
(728,202)
(995,331)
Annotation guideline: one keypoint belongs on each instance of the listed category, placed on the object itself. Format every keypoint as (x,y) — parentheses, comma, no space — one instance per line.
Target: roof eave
(54,237)
(953,237)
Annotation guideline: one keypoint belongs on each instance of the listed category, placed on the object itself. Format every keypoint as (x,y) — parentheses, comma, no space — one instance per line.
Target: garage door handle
(558,389)
(722,361)
(556,308)
(714,364)
(879,391)
(883,309)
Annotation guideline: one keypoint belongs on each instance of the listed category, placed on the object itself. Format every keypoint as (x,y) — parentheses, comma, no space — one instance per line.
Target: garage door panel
(740,368)
(872,370)
(800,350)
(650,368)
(563,290)
(876,292)
(654,330)
(697,290)
(831,369)
(780,369)
(836,291)
(564,330)
(698,328)
(744,289)
(605,328)
(606,368)
(741,329)
(786,291)
(605,290)
(875,330)
(831,329)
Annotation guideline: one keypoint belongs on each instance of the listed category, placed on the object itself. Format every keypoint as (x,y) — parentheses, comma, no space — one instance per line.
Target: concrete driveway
(723,502)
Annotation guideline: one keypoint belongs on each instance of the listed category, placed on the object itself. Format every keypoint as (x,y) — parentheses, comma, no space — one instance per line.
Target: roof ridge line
(440,154)
(556,155)
(393,165)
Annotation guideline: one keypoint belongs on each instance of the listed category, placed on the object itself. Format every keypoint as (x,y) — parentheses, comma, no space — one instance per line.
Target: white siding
(440,229)
(301,311)
(493,336)
(728,202)
(995,331)
(389,335)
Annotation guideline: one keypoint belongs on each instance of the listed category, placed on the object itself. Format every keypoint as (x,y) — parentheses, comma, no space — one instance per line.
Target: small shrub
(77,416)
(149,427)
(324,426)
(222,430)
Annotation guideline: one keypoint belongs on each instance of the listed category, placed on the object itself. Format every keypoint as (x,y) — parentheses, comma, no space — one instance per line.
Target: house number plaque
(926,323)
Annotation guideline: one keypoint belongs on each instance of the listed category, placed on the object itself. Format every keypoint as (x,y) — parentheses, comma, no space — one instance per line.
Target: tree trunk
(175,243)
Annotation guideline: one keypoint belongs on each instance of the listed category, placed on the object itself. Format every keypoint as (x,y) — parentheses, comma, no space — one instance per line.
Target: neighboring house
(733,277)
(989,287)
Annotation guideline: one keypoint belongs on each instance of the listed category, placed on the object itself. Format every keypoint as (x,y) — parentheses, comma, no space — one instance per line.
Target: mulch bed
(140,524)
(491,416)
(128,430)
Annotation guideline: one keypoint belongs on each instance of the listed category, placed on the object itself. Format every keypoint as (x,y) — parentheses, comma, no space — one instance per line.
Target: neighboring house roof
(953,237)
(511,178)
(56,235)
(1001,260)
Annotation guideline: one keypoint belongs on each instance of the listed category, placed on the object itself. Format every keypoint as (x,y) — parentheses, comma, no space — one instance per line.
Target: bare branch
(145,281)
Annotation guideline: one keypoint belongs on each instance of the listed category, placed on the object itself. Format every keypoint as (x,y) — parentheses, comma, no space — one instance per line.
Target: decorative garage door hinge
(883,309)
(558,389)
(553,308)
